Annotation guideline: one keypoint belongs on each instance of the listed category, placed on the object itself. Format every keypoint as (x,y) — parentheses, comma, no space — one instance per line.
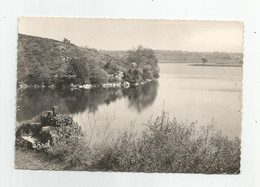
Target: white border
(233,10)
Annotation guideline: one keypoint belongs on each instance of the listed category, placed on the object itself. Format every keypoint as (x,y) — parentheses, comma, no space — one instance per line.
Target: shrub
(65,40)
(169,146)
(60,128)
(146,65)
(204,60)
(80,70)
(98,76)
(166,145)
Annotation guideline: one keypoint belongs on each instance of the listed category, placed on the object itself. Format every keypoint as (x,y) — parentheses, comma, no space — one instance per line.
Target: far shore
(218,65)
(200,64)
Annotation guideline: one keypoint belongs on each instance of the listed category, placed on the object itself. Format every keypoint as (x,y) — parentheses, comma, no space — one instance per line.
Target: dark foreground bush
(170,146)
(164,146)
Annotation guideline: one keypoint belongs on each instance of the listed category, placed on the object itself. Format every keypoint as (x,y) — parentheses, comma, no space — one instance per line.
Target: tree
(111,68)
(134,75)
(65,40)
(147,72)
(98,76)
(204,60)
(142,55)
(79,69)
(145,65)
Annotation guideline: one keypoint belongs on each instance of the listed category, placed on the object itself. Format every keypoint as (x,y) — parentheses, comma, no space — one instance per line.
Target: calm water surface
(189,93)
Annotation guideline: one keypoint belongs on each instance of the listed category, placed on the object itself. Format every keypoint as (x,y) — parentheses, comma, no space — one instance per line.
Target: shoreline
(124,85)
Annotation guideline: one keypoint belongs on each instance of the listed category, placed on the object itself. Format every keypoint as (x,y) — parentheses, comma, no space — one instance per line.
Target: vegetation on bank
(166,145)
(175,56)
(144,65)
(47,62)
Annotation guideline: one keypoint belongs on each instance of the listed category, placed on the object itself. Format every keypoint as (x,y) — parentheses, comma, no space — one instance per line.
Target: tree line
(48,62)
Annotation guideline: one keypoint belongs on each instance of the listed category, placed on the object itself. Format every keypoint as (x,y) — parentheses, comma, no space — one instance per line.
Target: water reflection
(33,101)
(143,96)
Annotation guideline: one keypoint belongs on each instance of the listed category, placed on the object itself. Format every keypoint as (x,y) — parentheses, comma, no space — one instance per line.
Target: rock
(55,110)
(26,135)
(28,129)
(118,85)
(86,86)
(135,84)
(31,141)
(72,85)
(134,64)
(107,85)
(45,130)
(125,84)
(49,133)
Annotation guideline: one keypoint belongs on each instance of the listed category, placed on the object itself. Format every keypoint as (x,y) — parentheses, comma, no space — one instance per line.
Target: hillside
(46,61)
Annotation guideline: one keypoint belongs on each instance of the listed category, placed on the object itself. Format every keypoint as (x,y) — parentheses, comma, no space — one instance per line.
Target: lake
(189,93)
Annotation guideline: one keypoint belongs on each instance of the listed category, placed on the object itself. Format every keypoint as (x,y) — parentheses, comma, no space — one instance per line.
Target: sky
(124,34)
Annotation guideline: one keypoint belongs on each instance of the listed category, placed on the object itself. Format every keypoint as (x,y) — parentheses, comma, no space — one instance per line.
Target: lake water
(189,93)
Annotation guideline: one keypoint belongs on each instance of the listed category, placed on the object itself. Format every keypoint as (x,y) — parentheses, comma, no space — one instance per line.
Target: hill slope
(47,61)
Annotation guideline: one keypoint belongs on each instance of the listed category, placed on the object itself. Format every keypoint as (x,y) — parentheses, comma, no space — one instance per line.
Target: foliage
(166,145)
(78,69)
(204,60)
(43,61)
(169,146)
(144,65)
(147,72)
(65,40)
(134,75)
(111,68)
(61,128)
(98,76)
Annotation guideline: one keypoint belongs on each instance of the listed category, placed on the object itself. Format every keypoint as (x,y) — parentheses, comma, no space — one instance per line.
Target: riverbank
(166,145)
(217,65)
(124,84)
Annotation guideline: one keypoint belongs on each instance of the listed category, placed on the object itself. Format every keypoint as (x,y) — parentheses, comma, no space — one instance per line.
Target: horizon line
(86,46)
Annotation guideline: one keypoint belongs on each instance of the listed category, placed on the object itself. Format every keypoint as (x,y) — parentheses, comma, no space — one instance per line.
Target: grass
(166,145)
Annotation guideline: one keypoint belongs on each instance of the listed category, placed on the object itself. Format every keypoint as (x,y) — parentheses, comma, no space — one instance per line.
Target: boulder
(72,85)
(125,84)
(118,85)
(135,84)
(86,86)
(107,85)
(45,130)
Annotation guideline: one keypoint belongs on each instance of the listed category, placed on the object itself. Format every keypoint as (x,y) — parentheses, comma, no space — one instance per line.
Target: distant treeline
(185,56)
(45,62)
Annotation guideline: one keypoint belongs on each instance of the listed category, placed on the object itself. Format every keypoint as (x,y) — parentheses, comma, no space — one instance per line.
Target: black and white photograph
(129,95)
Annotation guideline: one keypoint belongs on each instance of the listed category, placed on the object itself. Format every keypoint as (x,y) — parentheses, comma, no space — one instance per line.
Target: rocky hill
(43,61)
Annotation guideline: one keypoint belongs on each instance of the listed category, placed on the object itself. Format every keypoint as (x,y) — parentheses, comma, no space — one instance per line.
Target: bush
(166,145)
(80,70)
(169,146)
(111,68)
(145,65)
(98,76)
(60,129)
(204,60)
